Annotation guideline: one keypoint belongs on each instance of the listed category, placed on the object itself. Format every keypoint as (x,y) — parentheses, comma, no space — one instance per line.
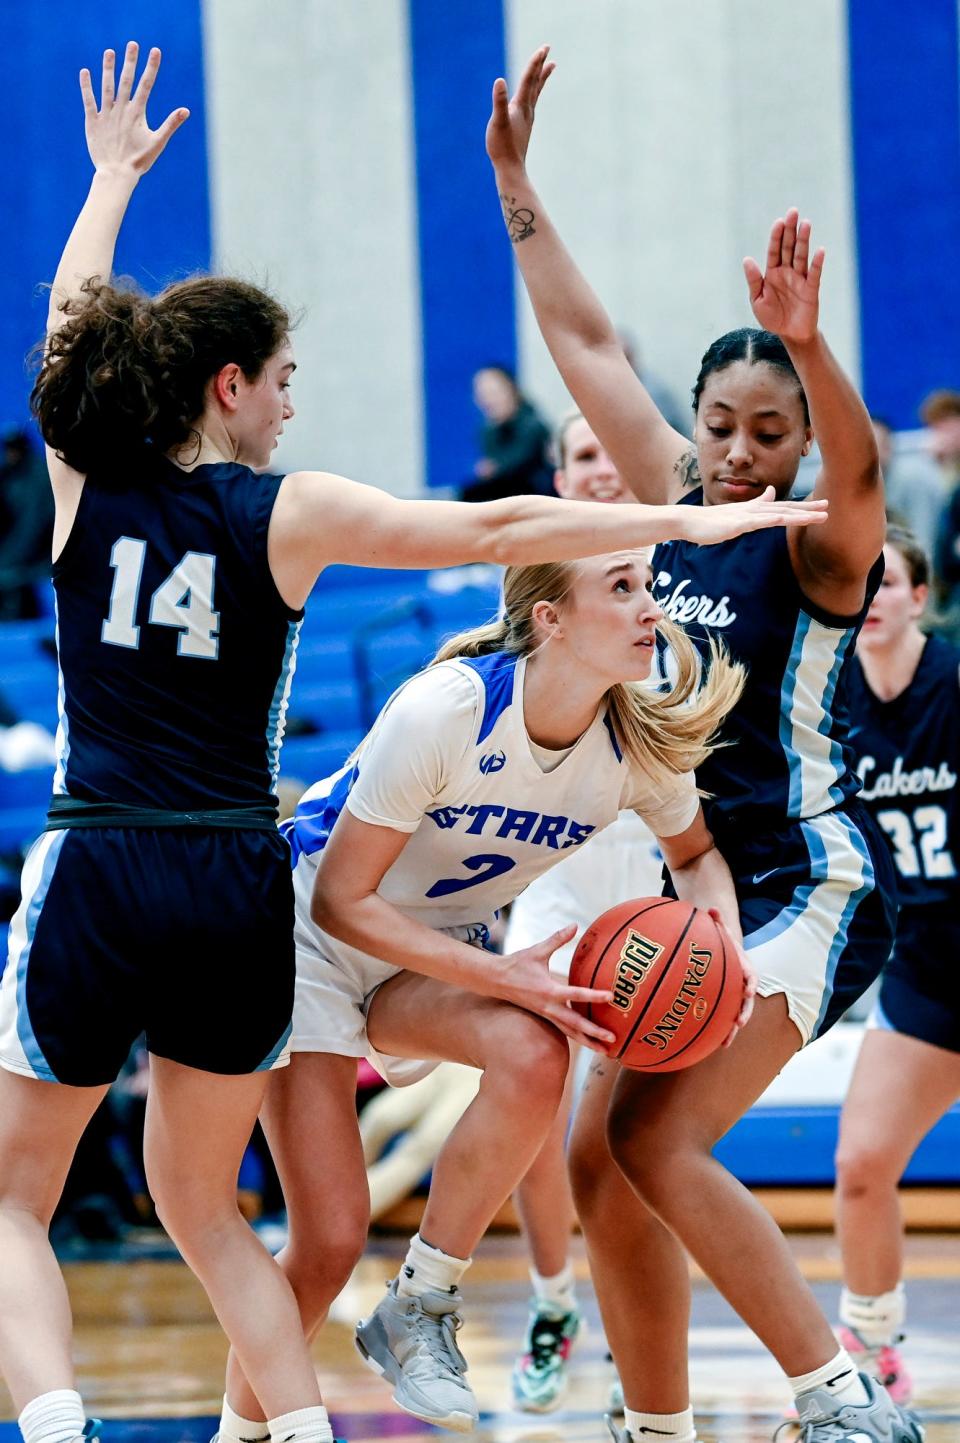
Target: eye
(622,584)
(719,430)
(769,438)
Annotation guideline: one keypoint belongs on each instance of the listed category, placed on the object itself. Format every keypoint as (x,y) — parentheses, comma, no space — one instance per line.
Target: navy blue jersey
(176,649)
(907,754)
(787,755)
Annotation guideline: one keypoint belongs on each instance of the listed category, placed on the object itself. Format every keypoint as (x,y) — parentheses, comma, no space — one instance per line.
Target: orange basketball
(677,989)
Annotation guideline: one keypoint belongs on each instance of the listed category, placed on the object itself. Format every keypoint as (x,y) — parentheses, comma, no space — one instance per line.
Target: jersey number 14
(183,601)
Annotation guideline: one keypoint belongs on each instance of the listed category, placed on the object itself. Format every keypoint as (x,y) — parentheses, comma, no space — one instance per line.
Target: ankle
(427,1269)
(54,1417)
(306,1425)
(236,1429)
(649,1427)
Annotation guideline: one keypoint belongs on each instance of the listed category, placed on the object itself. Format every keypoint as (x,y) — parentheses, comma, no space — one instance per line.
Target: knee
(319,1266)
(529,1056)
(639,1151)
(864,1167)
(591,1168)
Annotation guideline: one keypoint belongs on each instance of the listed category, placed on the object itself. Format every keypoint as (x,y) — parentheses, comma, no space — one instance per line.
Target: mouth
(740,485)
(647,641)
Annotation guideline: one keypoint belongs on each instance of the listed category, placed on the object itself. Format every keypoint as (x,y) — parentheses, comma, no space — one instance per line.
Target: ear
(808,441)
(546,616)
(920,594)
(226,385)
(560,482)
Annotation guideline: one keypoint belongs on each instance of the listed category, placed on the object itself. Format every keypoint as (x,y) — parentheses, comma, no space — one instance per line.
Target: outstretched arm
(649,454)
(831,566)
(323,520)
(122,147)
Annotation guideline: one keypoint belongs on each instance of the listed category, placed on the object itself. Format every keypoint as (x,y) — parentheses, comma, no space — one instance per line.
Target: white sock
(426,1268)
(558,1291)
(56,1417)
(647,1427)
(234,1429)
(878,1321)
(839,1377)
(306,1425)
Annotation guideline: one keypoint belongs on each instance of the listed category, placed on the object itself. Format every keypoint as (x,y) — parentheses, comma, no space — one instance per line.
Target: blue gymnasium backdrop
(897,121)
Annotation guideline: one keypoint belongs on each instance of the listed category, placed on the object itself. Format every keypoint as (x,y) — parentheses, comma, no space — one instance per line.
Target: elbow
(324,911)
(506,525)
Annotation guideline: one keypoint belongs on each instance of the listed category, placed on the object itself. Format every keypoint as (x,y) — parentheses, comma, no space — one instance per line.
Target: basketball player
(523,740)
(180,574)
(624,861)
(814,879)
(905,734)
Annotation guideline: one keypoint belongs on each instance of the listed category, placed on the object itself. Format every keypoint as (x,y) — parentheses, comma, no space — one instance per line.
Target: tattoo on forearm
(688,468)
(519,219)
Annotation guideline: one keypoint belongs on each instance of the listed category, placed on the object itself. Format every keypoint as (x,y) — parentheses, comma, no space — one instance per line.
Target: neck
(216,445)
(560,700)
(890,669)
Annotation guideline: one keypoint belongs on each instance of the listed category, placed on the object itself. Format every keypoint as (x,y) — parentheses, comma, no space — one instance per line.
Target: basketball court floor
(151,1354)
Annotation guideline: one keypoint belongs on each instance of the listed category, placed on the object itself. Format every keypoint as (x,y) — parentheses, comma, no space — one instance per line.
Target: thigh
(219,993)
(70,997)
(196,1130)
(40,1126)
(309,1116)
(413,1016)
(900,1088)
(703,1102)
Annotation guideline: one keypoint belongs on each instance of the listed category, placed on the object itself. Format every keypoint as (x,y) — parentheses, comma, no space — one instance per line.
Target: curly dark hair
(125,375)
(751,345)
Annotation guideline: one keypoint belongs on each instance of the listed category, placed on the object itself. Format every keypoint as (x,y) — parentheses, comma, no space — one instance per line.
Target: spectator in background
(680,417)
(915,492)
(941,415)
(514,441)
(26,526)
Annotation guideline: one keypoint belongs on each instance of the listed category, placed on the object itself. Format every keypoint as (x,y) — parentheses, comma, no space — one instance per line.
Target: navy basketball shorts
(920,991)
(818,910)
(183,934)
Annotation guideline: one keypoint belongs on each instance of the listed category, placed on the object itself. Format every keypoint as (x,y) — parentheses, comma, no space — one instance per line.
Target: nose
(288,409)
(605,466)
(650,608)
(739,449)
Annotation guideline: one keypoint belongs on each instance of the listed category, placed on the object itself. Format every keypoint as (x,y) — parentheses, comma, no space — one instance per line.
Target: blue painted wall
(905,114)
(466,268)
(43,45)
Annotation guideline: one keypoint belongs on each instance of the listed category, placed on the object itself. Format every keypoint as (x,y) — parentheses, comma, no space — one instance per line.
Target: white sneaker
(412,1342)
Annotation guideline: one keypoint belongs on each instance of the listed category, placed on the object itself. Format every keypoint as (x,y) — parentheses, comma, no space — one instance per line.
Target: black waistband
(75,812)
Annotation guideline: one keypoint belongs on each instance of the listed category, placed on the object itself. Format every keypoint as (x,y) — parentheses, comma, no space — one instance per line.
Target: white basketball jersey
(449,761)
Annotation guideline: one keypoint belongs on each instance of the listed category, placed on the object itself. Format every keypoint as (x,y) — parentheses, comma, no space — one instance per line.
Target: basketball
(677,988)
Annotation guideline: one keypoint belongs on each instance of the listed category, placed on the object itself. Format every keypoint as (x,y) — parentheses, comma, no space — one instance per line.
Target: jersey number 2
(484,864)
(184,600)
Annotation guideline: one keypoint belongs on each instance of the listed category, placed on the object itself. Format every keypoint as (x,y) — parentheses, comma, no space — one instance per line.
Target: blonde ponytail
(664,733)
(661,733)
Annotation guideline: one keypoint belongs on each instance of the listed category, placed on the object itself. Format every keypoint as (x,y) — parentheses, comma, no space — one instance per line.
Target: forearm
(374,926)
(527,530)
(91,244)
(569,314)
(839,418)
(706,882)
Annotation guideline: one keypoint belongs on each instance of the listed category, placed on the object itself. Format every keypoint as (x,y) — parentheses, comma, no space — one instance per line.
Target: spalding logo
(637,956)
(688,999)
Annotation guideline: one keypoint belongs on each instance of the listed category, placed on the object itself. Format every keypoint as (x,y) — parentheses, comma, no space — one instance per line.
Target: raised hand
(511,122)
(707,525)
(118,136)
(786,296)
(524,978)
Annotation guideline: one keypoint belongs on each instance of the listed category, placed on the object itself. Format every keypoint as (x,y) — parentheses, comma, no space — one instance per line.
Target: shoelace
(437,1336)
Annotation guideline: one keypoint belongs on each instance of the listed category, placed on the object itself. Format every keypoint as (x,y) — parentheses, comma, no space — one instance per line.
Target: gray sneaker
(824,1420)
(412,1342)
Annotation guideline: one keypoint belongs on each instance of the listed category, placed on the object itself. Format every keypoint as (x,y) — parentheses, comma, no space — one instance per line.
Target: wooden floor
(151,1355)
